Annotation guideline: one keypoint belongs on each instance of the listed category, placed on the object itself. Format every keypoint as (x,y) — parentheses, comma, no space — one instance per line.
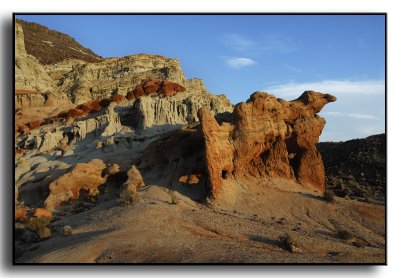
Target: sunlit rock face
(266,137)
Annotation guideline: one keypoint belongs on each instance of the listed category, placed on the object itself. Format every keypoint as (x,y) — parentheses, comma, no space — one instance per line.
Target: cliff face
(33,86)
(44,80)
(266,137)
(87,81)
(177,111)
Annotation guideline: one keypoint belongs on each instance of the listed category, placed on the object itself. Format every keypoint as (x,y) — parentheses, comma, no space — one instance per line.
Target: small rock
(133,182)
(44,233)
(114,169)
(67,231)
(68,152)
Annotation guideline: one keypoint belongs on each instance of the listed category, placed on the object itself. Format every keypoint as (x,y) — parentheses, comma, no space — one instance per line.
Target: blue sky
(343,55)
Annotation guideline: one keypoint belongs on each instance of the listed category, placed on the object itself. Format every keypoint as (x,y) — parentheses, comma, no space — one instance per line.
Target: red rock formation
(34,124)
(118,98)
(266,137)
(41,212)
(20,214)
(74,113)
(79,111)
(84,176)
(130,95)
(162,88)
(94,105)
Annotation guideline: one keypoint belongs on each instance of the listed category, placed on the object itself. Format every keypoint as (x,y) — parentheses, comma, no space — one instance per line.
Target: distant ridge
(51,47)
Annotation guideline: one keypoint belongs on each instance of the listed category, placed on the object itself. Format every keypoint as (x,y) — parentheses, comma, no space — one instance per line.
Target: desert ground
(163,226)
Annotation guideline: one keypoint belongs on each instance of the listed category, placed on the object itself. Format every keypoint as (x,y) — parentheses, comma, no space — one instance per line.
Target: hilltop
(50,46)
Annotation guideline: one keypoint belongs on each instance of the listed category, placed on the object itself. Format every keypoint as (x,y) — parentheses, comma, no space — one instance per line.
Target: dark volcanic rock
(356,168)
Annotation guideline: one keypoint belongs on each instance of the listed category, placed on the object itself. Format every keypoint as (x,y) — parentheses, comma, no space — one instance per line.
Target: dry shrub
(344,234)
(290,242)
(127,198)
(38,223)
(329,196)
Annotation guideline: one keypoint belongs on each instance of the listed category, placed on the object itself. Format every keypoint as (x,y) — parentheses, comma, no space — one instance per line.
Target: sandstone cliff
(88,81)
(33,86)
(173,129)
(81,76)
(261,139)
(266,137)
(180,110)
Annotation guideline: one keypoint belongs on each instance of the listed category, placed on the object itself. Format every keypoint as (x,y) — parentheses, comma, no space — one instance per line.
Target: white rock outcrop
(33,85)
(177,110)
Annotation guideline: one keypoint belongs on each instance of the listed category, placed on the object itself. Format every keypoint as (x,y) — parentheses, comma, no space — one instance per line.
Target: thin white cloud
(267,43)
(239,62)
(238,42)
(333,113)
(292,68)
(335,87)
(358,116)
(363,116)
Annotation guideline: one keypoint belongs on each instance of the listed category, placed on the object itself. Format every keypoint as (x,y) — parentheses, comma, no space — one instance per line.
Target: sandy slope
(164,226)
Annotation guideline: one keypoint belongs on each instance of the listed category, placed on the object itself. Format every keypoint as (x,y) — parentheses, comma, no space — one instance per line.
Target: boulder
(162,88)
(44,233)
(133,182)
(84,176)
(113,169)
(118,98)
(41,212)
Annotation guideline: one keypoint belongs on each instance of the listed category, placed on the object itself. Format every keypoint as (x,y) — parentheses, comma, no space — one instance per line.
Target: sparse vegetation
(290,242)
(127,198)
(329,196)
(359,243)
(38,223)
(344,234)
(50,46)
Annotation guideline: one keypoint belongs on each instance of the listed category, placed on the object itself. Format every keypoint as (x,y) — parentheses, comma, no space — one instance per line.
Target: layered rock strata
(82,76)
(262,138)
(266,137)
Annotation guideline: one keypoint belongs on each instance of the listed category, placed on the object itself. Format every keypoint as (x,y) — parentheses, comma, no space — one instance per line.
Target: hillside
(356,168)
(51,47)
